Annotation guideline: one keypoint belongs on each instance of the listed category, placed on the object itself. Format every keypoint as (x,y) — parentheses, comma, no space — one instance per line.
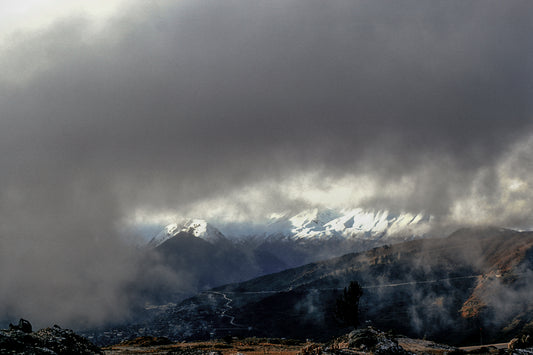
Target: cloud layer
(411,106)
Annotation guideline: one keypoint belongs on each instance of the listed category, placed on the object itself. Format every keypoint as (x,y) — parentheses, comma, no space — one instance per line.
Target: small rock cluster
(522,342)
(311,349)
(20,339)
(146,341)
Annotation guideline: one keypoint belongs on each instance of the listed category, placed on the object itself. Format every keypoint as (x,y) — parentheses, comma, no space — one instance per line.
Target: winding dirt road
(228,307)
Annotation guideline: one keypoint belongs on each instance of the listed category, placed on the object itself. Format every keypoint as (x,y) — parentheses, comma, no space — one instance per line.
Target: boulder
(23,326)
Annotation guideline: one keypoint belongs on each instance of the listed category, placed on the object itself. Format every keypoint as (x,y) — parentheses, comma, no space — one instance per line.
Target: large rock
(55,340)
(23,326)
(366,340)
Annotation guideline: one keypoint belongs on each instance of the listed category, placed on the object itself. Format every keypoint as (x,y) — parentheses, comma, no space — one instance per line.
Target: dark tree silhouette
(347,308)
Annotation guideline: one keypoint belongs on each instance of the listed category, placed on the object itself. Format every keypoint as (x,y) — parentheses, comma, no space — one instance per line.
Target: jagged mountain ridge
(355,223)
(314,224)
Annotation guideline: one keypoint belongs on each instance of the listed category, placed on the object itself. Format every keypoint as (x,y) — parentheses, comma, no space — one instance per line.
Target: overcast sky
(115,112)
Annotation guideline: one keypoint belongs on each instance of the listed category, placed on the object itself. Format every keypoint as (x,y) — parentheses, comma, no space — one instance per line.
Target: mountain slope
(186,264)
(446,289)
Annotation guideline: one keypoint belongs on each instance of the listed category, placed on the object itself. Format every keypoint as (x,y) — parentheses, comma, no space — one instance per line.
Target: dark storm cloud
(171,103)
(223,90)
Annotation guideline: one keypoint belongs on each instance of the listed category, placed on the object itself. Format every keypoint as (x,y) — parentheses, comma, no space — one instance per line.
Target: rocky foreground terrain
(360,341)
(20,339)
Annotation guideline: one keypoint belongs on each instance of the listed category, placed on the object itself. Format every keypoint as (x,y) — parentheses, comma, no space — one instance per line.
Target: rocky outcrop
(366,340)
(23,326)
(20,339)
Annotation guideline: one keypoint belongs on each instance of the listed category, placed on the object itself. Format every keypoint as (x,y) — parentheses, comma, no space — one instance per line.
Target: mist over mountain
(117,116)
(201,256)
(475,282)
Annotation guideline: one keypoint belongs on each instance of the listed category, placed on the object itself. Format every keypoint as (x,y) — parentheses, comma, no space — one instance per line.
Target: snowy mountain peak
(350,223)
(379,223)
(197,227)
(201,229)
(313,217)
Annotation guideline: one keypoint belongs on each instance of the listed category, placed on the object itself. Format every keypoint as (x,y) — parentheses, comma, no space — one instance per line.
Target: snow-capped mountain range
(211,254)
(308,225)
(356,223)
